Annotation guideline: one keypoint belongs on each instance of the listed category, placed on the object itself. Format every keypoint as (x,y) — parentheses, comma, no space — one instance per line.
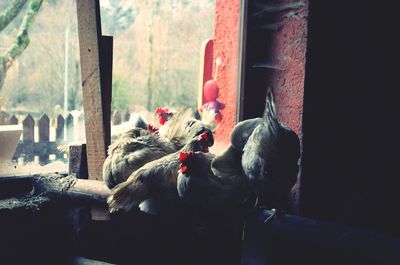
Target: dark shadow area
(138,238)
(350,171)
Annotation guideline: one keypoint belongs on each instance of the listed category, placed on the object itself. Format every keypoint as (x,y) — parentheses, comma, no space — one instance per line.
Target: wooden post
(60,122)
(89,31)
(70,127)
(28,126)
(44,130)
(13,120)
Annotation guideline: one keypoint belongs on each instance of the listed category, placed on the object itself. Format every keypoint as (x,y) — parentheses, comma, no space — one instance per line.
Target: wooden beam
(89,31)
(56,186)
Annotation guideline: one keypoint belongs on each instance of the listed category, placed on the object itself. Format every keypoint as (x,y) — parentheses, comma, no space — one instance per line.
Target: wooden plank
(35,149)
(70,127)
(60,129)
(88,12)
(61,186)
(13,120)
(60,125)
(44,131)
(28,126)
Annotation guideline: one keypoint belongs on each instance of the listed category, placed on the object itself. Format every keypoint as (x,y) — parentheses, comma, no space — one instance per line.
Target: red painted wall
(226,46)
(289,50)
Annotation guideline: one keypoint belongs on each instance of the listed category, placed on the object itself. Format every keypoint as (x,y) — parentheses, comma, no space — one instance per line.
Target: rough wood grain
(89,32)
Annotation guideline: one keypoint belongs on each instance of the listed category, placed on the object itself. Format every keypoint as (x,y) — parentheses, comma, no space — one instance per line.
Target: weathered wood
(106,59)
(59,186)
(77,165)
(70,188)
(36,149)
(89,31)
(28,133)
(44,131)
(13,120)
(60,122)
(69,122)
(314,241)
(116,117)
(44,147)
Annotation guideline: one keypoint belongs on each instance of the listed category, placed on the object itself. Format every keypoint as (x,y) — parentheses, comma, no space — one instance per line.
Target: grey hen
(242,131)
(270,158)
(156,181)
(132,150)
(138,146)
(216,186)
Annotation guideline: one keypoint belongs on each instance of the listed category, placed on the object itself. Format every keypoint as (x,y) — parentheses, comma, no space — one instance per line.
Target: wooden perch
(61,187)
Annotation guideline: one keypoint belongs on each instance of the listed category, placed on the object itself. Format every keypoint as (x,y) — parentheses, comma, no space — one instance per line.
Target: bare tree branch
(11,12)
(22,40)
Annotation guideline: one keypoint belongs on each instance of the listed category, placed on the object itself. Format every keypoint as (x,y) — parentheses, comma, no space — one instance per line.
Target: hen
(133,149)
(270,158)
(155,182)
(215,186)
(242,131)
(138,146)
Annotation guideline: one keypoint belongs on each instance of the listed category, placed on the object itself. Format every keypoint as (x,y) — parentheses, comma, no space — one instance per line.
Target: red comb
(151,128)
(183,157)
(161,110)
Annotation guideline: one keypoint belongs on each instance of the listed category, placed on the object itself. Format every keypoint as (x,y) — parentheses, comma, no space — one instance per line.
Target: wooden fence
(41,145)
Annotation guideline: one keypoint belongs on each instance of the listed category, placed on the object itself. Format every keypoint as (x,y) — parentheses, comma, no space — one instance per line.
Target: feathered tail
(270,111)
(127,195)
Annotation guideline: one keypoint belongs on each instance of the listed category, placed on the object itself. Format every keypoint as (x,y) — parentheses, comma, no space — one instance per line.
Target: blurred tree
(116,17)
(121,93)
(22,40)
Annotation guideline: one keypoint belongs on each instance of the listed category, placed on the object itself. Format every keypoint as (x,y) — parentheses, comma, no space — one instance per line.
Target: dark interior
(350,171)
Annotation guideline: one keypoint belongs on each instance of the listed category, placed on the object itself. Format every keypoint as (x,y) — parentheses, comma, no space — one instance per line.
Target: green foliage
(11,11)
(120,93)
